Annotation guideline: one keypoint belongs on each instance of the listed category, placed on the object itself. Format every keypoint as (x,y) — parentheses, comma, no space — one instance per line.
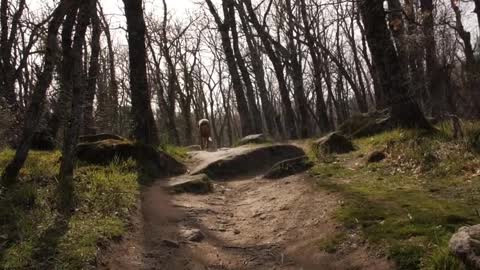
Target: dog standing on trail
(204,130)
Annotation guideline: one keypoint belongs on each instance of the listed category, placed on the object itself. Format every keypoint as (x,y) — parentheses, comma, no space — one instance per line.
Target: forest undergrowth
(409,204)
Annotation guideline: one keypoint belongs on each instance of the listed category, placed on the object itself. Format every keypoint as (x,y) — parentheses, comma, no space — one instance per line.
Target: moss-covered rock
(333,143)
(100,137)
(289,167)
(465,244)
(367,124)
(197,184)
(253,139)
(156,163)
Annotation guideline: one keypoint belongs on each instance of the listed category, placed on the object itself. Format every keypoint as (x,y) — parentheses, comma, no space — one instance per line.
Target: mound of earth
(246,161)
(367,124)
(100,137)
(289,167)
(197,184)
(465,244)
(253,139)
(333,143)
(155,162)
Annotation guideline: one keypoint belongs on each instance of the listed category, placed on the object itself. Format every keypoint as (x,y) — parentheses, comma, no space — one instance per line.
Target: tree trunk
(93,70)
(435,94)
(35,109)
(404,110)
(259,72)
(323,121)
(72,129)
(242,66)
(113,86)
(65,74)
(223,27)
(289,120)
(145,130)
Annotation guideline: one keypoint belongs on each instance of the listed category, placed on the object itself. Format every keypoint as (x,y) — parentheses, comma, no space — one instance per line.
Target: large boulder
(253,139)
(245,161)
(333,143)
(197,184)
(366,124)
(465,244)
(289,167)
(155,162)
(100,137)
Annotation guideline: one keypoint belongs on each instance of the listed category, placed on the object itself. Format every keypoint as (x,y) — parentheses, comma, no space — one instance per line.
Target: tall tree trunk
(36,107)
(242,66)
(72,130)
(113,86)
(259,72)
(404,109)
(223,27)
(296,72)
(145,130)
(472,73)
(289,120)
(93,71)
(324,123)
(65,73)
(435,94)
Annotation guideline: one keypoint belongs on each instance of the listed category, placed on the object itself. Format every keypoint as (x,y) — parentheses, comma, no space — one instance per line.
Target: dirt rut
(246,223)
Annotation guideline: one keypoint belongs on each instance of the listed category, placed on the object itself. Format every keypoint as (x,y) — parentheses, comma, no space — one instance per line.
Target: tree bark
(223,27)
(404,110)
(93,71)
(242,66)
(259,73)
(35,109)
(144,123)
(289,120)
(72,129)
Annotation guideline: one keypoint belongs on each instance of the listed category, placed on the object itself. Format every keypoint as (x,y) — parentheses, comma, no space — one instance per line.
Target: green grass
(34,234)
(410,204)
(179,153)
(332,243)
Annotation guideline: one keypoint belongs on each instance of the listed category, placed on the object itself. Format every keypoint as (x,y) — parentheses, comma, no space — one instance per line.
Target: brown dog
(204,130)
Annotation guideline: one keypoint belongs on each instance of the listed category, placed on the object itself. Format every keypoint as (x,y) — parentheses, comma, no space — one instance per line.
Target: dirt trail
(246,223)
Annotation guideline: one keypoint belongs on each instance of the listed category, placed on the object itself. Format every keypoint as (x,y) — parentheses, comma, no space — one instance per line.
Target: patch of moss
(411,204)
(34,234)
(331,244)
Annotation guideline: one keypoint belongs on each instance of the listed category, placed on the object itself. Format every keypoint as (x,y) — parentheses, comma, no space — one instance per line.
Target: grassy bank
(34,234)
(409,204)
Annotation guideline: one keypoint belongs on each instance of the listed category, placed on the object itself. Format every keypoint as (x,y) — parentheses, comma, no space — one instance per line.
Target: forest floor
(247,223)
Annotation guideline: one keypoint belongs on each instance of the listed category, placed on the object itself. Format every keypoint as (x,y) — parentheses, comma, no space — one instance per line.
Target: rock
(198,184)
(253,139)
(194,148)
(367,124)
(236,231)
(376,156)
(193,235)
(289,167)
(333,143)
(248,161)
(465,245)
(154,162)
(171,243)
(99,137)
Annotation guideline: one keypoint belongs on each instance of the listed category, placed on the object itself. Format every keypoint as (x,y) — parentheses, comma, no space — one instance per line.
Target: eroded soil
(247,223)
